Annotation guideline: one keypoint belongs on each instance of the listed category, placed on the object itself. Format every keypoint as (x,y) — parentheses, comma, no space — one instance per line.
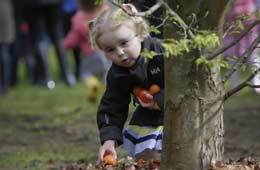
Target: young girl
(122,37)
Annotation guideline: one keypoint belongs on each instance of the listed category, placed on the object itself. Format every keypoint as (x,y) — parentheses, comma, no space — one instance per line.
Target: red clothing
(241,7)
(78,36)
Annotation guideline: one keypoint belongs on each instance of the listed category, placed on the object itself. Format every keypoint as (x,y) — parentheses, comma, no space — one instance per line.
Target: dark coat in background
(7,29)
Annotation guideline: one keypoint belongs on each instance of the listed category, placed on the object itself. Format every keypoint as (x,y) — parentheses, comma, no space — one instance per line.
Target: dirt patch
(242,133)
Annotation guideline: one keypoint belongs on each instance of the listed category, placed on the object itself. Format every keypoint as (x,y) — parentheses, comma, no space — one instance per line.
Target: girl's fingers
(149,96)
(147,105)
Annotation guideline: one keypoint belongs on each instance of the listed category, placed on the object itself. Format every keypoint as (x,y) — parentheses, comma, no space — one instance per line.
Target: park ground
(38,125)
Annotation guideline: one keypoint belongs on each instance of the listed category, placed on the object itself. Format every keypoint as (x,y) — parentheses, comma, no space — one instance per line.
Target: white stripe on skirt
(137,139)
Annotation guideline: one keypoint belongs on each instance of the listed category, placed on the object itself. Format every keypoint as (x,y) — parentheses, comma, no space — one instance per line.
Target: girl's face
(121,45)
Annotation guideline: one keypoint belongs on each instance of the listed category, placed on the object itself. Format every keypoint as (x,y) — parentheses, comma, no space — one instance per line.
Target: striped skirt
(137,139)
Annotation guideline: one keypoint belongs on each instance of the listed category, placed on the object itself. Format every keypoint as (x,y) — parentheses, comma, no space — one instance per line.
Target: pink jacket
(78,36)
(240,7)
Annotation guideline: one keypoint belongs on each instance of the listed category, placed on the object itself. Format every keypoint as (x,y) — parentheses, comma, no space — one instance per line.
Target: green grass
(38,124)
(247,97)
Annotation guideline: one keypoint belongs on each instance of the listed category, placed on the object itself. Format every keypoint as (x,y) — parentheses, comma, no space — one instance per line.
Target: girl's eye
(109,50)
(123,43)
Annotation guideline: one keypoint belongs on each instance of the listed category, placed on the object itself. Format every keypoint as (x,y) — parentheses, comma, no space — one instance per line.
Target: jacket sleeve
(113,110)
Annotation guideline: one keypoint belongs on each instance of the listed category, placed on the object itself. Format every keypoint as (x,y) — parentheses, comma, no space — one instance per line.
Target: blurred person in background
(7,36)
(241,7)
(45,23)
(69,8)
(93,64)
(21,48)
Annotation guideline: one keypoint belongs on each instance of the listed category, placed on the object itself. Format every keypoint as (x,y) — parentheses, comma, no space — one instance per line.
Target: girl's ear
(138,31)
(142,30)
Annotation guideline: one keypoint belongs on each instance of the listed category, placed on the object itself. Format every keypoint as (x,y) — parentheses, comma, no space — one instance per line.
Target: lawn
(38,124)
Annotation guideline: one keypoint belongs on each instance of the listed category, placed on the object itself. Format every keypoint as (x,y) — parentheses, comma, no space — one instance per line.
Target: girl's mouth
(125,61)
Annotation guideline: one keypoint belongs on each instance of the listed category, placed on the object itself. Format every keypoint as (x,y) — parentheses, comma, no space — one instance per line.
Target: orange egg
(154,88)
(142,96)
(109,160)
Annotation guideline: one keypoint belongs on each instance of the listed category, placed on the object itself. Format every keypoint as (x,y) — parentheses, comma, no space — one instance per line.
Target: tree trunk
(193,124)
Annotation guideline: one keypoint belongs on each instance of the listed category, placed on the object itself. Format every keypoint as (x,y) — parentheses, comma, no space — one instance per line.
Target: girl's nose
(120,52)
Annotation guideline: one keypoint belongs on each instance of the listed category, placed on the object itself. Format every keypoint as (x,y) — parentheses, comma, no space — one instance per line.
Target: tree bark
(193,124)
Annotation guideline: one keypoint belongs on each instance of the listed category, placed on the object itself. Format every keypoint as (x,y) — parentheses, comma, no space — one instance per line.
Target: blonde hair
(113,18)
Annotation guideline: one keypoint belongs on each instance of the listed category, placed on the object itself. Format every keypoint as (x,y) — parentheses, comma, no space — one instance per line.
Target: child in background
(239,8)
(92,61)
(122,38)
(69,9)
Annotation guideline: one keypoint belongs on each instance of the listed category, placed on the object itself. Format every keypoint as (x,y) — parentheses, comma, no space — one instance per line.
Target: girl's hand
(107,148)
